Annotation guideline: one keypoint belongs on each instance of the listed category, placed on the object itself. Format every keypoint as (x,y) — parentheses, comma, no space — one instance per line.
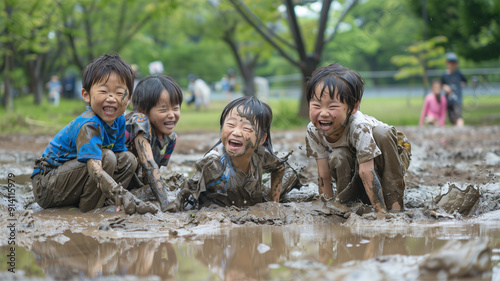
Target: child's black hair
(348,83)
(437,81)
(101,68)
(257,112)
(149,89)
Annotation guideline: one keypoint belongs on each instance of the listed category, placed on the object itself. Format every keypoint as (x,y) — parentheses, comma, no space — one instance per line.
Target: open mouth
(109,110)
(169,125)
(234,144)
(325,125)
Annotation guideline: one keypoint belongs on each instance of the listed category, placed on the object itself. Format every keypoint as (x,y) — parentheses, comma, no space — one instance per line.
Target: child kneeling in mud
(367,158)
(87,161)
(230,174)
(150,130)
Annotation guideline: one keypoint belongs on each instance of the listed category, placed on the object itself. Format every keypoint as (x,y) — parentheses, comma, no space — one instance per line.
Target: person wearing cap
(453,80)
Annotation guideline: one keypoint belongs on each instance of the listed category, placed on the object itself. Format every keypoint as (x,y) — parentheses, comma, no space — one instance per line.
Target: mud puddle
(352,251)
(296,240)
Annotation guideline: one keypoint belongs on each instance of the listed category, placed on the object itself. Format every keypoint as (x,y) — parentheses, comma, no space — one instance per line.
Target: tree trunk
(310,65)
(248,79)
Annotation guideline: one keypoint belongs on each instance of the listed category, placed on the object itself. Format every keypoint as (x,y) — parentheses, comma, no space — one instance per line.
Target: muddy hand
(117,194)
(133,205)
(178,204)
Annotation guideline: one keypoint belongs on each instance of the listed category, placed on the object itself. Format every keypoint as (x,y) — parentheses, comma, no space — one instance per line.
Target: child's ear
(263,139)
(355,109)
(85,96)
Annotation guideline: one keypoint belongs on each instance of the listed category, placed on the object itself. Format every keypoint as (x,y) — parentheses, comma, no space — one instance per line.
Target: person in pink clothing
(434,109)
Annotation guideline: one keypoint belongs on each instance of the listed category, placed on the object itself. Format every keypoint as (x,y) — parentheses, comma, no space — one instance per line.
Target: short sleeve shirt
(162,148)
(98,135)
(454,80)
(357,137)
(219,182)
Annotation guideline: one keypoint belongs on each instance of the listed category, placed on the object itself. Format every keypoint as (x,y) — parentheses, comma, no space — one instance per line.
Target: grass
(28,118)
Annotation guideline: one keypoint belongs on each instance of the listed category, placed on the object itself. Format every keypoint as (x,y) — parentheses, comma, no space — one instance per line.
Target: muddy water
(351,251)
(298,240)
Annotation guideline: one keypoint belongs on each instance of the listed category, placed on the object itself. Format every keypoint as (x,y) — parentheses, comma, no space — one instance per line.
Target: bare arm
(324,178)
(276,180)
(151,169)
(372,185)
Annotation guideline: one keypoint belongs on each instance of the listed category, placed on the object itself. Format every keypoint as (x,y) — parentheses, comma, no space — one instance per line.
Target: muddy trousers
(390,167)
(71,185)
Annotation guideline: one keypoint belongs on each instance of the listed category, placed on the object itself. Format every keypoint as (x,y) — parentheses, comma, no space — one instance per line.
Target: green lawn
(29,118)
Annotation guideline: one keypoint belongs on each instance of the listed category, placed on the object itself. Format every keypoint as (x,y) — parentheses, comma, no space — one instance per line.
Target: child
(367,158)
(150,129)
(434,109)
(231,171)
(453,80)
(87,160)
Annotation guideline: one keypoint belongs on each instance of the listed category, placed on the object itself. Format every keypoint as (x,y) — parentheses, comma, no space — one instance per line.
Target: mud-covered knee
(127,158)
(109,160)
(383,132)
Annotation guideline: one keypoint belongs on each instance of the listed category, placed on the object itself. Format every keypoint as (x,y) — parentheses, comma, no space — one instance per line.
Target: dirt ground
(441,157)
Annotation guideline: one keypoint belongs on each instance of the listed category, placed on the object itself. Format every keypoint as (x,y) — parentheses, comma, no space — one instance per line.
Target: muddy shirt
(357,136)
(63,147)
(217,181)
(138,123)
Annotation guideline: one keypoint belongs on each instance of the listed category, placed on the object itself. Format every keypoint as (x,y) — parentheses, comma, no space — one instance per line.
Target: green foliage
(285,115)
(422,55)
(374,32)
(472,26)
(398,111)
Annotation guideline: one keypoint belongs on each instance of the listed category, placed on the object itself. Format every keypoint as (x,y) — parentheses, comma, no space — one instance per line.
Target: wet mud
(452,195)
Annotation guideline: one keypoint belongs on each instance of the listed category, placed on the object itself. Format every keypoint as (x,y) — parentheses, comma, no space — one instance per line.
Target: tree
(296,52)
(423,55)
(379,30)
(26,25)
(241,39)
(471,26)
(94,27)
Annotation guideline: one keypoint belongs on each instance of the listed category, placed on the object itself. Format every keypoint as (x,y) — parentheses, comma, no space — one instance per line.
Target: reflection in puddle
(83,255)
(248,252)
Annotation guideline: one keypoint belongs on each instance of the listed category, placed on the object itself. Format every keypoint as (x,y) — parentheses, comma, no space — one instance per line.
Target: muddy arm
(325,187)
(151,170)
(372,185)
(276,179)
(105,182)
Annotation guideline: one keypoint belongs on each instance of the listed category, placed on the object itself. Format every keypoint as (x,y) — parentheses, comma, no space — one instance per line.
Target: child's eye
(248,129)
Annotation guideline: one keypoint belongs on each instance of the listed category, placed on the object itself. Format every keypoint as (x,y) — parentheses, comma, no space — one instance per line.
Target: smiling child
(367,158)
(230,174)
(87,161)
(150,132)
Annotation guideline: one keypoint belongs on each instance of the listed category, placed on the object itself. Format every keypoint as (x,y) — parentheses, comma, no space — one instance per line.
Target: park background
(397,46)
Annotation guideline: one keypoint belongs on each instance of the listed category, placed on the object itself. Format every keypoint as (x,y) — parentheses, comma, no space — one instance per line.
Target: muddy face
(328,114)
(108,98)
(238,135)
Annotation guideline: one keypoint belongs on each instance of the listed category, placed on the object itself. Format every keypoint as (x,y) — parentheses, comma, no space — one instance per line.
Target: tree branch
(341,18)
(243,10)
(295,29)
(322,21)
